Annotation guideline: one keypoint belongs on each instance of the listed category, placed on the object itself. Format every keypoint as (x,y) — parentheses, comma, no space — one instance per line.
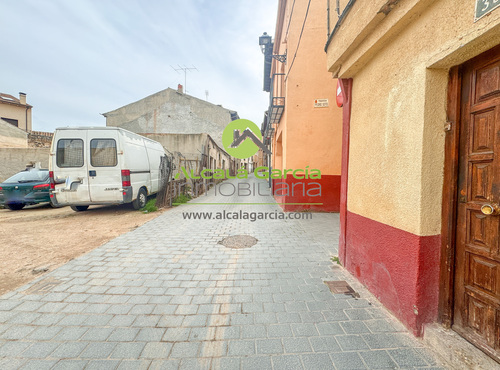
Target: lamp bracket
(280,58)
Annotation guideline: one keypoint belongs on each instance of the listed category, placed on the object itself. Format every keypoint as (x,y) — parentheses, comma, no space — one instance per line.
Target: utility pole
(185,70)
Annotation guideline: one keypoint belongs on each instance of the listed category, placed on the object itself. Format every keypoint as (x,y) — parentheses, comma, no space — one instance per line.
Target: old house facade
(19,145)
(16,111)
(303,124)
(195,152)
(419,214)
(15,121)
(189,128)
(172,112)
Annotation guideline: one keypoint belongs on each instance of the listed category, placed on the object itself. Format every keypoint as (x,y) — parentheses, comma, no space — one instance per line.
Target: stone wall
(13,160)
(38,139)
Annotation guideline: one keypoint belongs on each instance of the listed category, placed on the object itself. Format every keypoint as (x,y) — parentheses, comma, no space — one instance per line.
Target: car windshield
(29,176)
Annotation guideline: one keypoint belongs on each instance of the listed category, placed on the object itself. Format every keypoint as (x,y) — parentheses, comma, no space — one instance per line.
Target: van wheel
(141,200)
(79,208)
(15,206)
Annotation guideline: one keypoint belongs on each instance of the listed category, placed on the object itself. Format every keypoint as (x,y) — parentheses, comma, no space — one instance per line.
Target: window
(69,153)
(103,153)
(13,122)
(29,176)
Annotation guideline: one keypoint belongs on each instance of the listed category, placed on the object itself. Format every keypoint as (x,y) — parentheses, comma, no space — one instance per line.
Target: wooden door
(477,265)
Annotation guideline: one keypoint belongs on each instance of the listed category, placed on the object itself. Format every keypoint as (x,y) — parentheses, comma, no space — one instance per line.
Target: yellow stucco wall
(11,136)
(400,75)
(17,112)
(310,136)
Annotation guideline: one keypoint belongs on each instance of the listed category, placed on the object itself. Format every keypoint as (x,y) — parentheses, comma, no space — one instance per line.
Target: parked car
(103,165)
(25,188)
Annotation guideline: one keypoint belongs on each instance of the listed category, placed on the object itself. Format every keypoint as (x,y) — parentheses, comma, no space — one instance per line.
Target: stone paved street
(168,296)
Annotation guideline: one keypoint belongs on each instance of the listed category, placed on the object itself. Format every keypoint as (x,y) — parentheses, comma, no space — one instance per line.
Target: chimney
(22,98)
(179,89)
(236,135)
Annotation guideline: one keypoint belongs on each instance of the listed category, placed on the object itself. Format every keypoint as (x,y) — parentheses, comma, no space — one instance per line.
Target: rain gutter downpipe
(339,22)
(337,10)
(327,19)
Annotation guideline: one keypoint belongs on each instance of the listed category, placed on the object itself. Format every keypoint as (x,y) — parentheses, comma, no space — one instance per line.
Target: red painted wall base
(330,194)
(401,269)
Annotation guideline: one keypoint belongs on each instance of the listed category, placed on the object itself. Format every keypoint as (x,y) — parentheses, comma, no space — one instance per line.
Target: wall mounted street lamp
(264,41)
(266,45)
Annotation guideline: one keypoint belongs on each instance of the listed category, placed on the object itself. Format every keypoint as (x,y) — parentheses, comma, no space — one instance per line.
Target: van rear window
(69,153)
(103,153)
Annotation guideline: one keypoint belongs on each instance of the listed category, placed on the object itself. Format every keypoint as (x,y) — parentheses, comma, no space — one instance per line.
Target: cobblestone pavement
(167,295)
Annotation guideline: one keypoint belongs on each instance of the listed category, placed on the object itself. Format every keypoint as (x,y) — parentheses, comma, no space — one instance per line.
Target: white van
(103,165)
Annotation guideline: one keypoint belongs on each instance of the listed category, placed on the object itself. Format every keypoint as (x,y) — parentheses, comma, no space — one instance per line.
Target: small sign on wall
(322,103)
(484,7)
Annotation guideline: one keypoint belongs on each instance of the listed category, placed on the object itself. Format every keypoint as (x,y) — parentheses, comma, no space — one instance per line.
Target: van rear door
(103,170)
(70,169)
(155,152)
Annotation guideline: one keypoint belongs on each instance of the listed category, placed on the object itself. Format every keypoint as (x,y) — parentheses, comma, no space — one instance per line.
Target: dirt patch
(38,239)
(239,241)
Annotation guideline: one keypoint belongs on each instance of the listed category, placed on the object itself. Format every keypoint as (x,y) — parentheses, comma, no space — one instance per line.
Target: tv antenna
(185,70)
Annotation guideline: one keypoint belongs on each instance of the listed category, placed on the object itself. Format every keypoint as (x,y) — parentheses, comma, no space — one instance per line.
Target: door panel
(70,168)
(488,81)
(103,170)
(477,274)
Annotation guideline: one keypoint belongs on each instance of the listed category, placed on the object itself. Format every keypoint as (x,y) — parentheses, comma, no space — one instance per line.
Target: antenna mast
(185,70)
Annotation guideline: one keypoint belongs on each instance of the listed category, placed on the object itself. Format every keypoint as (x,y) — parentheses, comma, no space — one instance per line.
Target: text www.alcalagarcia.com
(243,215)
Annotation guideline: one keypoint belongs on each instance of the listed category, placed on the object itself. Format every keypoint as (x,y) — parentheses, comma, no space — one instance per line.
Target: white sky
(76,59)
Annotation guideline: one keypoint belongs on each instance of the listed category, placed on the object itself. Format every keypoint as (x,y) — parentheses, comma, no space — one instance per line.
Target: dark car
(25,188)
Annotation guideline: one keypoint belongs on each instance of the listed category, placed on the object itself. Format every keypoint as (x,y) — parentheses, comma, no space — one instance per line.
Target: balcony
(268,135)
(277,108)
(277,103)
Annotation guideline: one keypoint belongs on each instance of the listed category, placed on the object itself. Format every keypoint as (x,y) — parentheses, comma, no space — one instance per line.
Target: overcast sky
(76,59)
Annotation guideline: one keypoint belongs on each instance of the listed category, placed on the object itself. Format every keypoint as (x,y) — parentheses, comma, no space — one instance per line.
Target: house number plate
(484,7)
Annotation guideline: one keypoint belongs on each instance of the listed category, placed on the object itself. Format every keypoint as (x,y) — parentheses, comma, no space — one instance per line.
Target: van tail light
(41,186)
(52,182)
(125,178)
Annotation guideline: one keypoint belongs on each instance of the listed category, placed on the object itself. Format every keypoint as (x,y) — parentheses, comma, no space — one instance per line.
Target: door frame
(450,190)
(449,202)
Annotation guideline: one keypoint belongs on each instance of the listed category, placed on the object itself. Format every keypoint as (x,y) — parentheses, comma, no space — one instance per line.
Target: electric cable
(298,43)
(290,20)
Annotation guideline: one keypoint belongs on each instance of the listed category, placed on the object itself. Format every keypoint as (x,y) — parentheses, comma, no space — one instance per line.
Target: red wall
(401,269)
(330,194)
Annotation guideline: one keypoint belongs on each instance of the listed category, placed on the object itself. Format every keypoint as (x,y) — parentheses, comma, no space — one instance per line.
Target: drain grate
(341,287)
(239,241)
(43,286)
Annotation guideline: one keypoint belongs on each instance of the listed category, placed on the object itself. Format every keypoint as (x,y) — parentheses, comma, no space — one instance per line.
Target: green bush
(150,206)
(182,198)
